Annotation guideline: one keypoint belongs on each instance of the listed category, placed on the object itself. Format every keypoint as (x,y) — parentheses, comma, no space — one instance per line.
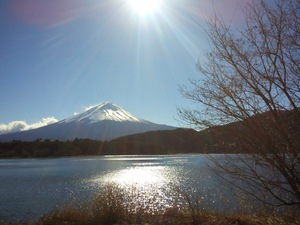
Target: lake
(30,188)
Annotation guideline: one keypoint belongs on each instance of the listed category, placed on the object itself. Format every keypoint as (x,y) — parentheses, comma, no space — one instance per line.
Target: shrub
(109,205)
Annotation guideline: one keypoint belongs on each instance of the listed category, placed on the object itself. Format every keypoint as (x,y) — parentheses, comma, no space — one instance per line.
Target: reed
(113,205)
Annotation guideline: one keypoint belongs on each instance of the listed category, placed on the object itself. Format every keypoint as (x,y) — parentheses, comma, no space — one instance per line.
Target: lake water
(30,188)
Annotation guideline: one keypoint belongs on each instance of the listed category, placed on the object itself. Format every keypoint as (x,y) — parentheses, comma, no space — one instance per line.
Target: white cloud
(17,126)
(14,126)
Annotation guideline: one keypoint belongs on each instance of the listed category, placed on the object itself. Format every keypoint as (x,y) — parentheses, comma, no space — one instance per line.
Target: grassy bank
(112,206)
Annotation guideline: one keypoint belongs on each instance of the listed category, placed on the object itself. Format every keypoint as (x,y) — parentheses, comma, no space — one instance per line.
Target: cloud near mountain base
(16,126)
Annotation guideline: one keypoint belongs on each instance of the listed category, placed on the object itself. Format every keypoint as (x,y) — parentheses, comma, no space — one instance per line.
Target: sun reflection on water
(139,176)
(148,186)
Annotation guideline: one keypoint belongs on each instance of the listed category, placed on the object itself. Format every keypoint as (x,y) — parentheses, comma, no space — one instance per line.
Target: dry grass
(113,206)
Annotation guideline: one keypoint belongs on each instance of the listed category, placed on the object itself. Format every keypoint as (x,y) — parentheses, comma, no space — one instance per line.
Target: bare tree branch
(253,77)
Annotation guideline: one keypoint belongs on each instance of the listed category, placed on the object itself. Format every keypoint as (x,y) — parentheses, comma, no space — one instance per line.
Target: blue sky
(58,57)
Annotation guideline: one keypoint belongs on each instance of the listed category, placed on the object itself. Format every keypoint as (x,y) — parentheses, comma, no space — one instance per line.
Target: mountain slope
(158,142)
(104,111)
(105,121)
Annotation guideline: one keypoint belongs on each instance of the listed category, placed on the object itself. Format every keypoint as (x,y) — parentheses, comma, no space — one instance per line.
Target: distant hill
(260,131)
(159,142)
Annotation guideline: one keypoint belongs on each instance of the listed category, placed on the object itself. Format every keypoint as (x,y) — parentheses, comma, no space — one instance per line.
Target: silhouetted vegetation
(157,142)
(112,205)
(251,75)
(50,148)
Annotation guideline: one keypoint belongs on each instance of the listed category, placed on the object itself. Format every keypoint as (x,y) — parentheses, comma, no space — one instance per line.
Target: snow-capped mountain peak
(104,111)
(104,121)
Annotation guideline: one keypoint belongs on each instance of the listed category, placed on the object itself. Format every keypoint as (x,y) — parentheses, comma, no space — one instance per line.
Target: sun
(145,7)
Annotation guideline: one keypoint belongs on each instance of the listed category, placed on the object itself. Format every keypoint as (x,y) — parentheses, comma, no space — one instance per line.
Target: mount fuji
(105,121)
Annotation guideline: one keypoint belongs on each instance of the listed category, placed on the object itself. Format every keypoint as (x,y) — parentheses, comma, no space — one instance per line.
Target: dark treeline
(79,147)
(50,148)
(156,142)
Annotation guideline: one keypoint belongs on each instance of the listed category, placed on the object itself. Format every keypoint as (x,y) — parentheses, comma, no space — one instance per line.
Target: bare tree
(252,77)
